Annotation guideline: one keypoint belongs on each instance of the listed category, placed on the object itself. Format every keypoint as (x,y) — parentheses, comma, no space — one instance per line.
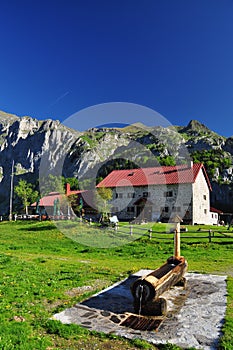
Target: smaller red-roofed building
(160,193)
(56,204)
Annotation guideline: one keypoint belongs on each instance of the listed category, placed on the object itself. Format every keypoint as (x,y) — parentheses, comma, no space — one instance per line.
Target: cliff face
(25,140)
(67,152)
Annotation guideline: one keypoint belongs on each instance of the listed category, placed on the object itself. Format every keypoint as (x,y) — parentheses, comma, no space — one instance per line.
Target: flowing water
(141,287)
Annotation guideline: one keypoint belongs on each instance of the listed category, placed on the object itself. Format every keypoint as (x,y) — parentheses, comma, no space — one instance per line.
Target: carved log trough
(147,290)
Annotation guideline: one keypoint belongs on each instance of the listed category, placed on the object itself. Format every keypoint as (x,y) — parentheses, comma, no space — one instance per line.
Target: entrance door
(144,212)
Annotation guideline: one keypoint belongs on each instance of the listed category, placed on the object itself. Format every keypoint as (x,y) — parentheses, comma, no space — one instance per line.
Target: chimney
(190,163)
(68,189)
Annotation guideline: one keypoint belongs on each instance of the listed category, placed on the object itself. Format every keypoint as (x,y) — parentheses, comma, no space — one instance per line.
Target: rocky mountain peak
(194,126)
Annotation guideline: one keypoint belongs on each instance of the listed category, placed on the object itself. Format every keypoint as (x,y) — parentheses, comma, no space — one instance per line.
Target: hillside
(49,147)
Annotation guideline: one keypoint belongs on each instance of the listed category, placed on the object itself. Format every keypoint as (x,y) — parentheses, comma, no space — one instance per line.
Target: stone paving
(194,319)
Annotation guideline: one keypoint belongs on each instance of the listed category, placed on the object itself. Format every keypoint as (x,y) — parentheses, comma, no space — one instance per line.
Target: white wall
(201,201)
(214,218)
(178,203)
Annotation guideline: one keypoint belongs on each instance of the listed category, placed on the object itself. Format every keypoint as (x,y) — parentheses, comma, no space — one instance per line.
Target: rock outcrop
(25,140)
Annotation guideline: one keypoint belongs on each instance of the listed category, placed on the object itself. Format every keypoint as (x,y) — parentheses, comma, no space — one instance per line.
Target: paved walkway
(195,314)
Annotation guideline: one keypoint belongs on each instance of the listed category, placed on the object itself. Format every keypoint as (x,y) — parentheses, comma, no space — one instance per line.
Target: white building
(215,216)
(159,193)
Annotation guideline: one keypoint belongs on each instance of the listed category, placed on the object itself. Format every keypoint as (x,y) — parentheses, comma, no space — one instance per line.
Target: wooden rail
(136,230)
(210,235)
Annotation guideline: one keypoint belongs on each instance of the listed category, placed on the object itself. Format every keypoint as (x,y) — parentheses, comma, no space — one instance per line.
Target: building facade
(160,193)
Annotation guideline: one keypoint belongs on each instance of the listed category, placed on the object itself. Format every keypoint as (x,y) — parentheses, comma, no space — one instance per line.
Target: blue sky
(175,57)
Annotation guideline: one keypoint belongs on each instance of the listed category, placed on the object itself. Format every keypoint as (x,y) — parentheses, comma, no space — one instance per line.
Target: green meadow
(45,269)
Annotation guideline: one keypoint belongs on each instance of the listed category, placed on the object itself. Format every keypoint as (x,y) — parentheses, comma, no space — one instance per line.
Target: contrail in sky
(59,98)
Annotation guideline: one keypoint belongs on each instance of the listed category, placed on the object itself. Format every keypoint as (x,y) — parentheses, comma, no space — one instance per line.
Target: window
(131,195)
(119,195)
(205,211)
(168,194)
(204,197)
(130,209)
(146,194)
(165,209)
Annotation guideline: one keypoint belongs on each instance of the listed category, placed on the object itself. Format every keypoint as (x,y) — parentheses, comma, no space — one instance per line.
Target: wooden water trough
(148,290)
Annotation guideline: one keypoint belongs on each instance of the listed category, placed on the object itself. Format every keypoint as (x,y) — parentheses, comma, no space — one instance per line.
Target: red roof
(214,210)
(163,175)
(48,200)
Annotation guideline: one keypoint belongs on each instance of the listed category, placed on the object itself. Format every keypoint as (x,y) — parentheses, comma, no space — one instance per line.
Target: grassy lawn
(41,270)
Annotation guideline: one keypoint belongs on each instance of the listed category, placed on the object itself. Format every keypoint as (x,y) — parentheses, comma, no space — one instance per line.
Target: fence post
(177,240)
(90,221)
(116,226)
(150,233)
(209,236)
(131,230)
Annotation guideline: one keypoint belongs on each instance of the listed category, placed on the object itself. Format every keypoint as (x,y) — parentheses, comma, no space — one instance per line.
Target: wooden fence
(209,235)
(139,231)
